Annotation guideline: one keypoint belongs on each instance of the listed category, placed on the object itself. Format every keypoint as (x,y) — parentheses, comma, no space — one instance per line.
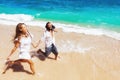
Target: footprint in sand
(40,74)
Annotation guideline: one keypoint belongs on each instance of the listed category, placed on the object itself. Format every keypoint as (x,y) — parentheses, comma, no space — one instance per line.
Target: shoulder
(17,40)
(45,32)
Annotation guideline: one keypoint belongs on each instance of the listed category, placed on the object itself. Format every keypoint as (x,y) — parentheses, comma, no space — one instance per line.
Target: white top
(25,43)
(48,38)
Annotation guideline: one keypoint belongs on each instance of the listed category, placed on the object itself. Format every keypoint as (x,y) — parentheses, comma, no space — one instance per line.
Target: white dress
(25,43)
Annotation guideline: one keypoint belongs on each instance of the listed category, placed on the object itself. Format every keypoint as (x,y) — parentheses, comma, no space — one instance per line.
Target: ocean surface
(96,17)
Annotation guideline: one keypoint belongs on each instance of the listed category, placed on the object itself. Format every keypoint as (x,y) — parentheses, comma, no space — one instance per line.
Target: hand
(36,46)
(8,58)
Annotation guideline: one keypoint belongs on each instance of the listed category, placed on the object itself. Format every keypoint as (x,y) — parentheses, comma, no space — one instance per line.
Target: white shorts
(24,55)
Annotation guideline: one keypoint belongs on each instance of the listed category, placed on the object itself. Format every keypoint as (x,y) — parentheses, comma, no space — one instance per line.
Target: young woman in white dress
(22,40)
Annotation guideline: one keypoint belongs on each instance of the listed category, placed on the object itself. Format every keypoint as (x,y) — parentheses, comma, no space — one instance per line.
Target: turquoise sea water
(104,14)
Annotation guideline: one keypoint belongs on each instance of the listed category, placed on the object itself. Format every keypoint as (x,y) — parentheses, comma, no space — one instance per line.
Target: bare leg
(8,65)
(31,66)
(39,51)
(30,63)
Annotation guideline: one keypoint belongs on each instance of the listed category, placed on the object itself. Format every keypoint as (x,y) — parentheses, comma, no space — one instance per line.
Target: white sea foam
(88,30)
(13,19)
(16,17)
(71,46)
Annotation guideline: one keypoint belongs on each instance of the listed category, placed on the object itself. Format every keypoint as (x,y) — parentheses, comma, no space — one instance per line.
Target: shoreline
(82,57)
(68,28)
(61,40)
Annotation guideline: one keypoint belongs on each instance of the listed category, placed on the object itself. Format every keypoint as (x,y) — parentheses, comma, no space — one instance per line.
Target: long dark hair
(17,31)
(47,28)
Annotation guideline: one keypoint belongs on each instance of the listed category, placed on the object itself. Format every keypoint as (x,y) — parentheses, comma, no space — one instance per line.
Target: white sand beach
(81,57)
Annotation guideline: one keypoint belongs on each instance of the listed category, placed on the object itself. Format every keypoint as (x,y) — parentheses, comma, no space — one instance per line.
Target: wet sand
(82,57)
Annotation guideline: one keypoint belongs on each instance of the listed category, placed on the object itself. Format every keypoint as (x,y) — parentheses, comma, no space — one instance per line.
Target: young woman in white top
(22,40)
(49,40)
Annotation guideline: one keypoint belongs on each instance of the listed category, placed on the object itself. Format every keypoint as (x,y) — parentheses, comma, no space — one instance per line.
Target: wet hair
(17,31)
(47,28)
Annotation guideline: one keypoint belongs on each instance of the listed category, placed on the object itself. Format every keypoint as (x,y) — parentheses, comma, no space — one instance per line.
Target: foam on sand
(13,19)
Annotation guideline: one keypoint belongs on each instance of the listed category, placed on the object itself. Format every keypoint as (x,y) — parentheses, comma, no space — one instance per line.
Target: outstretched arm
(33,45)
(37,44)
(14,49)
